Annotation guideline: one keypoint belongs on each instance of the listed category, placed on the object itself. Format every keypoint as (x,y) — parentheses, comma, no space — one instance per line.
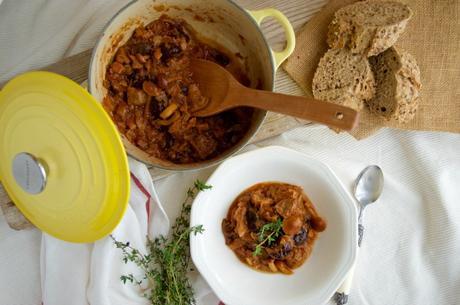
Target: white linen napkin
(77,274)
(412,234)
(89,274)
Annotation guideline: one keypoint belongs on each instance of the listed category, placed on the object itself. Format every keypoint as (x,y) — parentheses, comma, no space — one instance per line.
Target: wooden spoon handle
(329,114)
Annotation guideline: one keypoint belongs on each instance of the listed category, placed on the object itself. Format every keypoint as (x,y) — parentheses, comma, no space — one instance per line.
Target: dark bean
(282,253)
(251,218)
(169,51)
(184,89)
(137,79)
(301,237)
(137,83)
(156,107)
(164,53)
(132,75)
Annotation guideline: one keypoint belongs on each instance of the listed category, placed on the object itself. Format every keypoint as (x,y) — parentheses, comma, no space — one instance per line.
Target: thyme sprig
(267,235)
(167,263)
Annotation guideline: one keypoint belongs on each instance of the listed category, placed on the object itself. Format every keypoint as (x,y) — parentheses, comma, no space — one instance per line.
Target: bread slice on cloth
(368,27)
(397,77)
(343,78)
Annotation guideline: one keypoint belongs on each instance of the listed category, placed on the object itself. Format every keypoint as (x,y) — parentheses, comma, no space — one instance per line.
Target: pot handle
(260,15)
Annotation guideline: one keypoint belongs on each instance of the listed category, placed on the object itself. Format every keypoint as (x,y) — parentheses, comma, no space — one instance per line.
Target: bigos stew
(152,96)
(272,227)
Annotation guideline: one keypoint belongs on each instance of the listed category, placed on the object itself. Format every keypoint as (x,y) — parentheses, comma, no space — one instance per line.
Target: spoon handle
(360,234)
(360,225)
(330,114)
(341,295)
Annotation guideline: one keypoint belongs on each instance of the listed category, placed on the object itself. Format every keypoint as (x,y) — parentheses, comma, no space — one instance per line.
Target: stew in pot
(152,96)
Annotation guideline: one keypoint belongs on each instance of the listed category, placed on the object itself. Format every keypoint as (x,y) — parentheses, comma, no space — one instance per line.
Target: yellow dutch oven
(223,21)
(62,161)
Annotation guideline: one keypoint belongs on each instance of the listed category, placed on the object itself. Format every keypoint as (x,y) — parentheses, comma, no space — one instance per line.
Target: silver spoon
(367,189)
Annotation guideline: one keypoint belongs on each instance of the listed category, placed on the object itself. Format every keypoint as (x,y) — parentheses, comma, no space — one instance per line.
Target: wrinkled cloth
(89,274)
(92,271)
(412,234)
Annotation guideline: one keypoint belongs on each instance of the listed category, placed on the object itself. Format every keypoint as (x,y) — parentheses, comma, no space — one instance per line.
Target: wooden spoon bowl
(225,92)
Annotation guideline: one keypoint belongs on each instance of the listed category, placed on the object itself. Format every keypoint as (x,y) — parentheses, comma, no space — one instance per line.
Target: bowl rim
(221,157)
(340,275)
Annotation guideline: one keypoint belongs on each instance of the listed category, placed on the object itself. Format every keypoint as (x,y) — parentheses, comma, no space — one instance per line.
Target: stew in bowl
(272,227)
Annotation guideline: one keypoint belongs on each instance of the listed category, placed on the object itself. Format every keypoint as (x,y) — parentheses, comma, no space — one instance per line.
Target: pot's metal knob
(29,172)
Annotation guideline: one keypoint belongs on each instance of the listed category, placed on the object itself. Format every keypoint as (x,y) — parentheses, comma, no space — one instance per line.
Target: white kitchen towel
(412,240)
(80,274)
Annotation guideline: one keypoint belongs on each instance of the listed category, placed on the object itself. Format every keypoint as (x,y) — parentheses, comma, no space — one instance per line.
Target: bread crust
(344,78)
(398,89)
(368,27)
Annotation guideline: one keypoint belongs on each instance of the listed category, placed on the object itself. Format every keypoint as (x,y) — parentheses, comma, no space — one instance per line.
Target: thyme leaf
(267,235)
(167,262)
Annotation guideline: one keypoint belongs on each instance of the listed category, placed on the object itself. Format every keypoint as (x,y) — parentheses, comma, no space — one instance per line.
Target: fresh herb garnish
(267,235)
(168,260)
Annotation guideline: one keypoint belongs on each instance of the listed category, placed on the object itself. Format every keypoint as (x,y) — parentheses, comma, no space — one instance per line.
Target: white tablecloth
(410,254)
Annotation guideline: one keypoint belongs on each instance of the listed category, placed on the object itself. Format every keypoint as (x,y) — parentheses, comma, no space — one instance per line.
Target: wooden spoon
(225,92)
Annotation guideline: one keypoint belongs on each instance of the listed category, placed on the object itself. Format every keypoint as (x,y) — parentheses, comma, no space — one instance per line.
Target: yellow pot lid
(62,161)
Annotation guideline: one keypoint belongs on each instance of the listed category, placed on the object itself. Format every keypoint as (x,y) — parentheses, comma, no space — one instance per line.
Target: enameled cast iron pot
(222,21)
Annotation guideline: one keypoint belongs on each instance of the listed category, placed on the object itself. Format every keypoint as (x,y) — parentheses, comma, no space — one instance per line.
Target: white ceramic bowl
(333,254)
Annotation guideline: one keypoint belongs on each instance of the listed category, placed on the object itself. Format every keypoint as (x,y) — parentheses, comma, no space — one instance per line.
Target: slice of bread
(344,78)
(368,27)
(398,85)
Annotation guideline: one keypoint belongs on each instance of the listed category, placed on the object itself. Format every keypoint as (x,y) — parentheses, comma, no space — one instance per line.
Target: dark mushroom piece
(283,250)
(301,237)
(251,219)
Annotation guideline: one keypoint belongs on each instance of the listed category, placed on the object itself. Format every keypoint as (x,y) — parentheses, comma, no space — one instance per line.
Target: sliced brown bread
(368,27)
(343,78)
(398,85)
